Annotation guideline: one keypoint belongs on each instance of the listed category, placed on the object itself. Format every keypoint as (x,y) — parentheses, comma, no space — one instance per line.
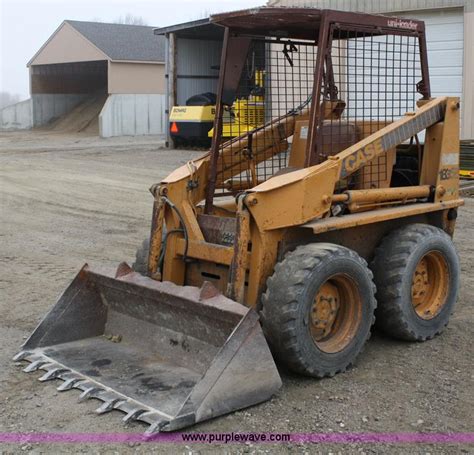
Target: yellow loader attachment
(163,354)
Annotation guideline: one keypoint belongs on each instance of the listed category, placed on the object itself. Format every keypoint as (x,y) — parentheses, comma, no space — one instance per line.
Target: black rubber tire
(141,258)
(289,297)
(394,264)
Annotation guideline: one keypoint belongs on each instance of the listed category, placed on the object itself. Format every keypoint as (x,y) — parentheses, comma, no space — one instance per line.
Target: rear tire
(141,258)
(318,309)
(416,271)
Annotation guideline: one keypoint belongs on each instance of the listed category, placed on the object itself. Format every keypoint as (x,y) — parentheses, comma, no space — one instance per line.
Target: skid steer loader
(338,209)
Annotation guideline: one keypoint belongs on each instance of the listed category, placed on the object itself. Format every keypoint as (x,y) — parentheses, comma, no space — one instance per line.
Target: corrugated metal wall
(373,6)
(195,59)
(133,115)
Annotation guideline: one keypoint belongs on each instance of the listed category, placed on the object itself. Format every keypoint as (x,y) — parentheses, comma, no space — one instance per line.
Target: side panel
(362,239)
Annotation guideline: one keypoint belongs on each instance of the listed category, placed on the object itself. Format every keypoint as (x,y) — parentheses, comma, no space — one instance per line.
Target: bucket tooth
(208,291)
(90,392)
(134,414)
(69,384)
(53,374)
(22,355)
(35,365)
(122,270)
(108,406)
(155,427)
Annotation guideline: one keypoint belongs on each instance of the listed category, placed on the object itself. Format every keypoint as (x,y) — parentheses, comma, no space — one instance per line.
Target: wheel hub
(325,307)
(420,285)
(335,313)
(430,284)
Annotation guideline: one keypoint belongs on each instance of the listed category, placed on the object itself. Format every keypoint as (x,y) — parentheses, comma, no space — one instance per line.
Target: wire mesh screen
(274,89)
(370,81)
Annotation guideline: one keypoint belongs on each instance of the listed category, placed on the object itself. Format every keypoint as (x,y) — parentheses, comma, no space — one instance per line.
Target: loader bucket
(163,354)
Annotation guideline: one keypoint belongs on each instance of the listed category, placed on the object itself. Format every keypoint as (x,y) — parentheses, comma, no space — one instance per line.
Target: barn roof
(123,41)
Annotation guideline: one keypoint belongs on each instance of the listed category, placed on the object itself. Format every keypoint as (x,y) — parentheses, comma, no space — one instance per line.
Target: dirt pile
(84,118)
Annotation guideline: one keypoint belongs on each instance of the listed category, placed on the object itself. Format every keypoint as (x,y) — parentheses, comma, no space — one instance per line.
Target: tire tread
(280,307)
(389,265)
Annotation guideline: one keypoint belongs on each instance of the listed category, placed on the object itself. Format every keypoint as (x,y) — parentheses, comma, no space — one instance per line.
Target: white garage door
(444,36)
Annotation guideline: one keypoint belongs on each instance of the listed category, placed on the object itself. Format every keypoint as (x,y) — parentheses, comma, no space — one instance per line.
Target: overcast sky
(26,24)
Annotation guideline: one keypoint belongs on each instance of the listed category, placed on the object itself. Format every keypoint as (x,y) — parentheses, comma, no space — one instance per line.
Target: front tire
(416,271)
(318,309)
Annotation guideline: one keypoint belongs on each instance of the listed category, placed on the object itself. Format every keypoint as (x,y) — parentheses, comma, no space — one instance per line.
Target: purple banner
(239,438)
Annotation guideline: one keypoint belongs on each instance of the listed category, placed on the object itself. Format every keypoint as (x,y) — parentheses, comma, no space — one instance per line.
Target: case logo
(361,157)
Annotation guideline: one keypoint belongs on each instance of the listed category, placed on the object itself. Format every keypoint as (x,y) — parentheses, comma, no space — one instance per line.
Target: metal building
(193,52)
(112,75)
(450,41)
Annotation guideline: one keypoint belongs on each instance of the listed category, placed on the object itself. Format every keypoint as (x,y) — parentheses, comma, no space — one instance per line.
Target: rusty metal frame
(315,116)
(234,51)
(330,23)
(335,21)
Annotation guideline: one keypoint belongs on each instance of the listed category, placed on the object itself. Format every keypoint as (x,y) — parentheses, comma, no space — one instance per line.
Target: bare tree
(204,14)
(130,19)
(7,98)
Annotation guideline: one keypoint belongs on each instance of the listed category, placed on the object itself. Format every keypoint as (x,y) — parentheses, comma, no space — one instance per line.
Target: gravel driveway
(66,200)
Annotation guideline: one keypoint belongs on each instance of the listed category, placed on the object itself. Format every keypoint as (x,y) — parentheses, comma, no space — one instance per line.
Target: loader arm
(307,194)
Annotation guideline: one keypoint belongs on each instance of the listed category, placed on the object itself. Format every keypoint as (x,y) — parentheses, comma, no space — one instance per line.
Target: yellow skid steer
(284,242)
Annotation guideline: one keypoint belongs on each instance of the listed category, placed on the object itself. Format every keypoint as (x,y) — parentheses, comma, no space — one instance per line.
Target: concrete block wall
(132,115)
(48,107)
(18,116)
